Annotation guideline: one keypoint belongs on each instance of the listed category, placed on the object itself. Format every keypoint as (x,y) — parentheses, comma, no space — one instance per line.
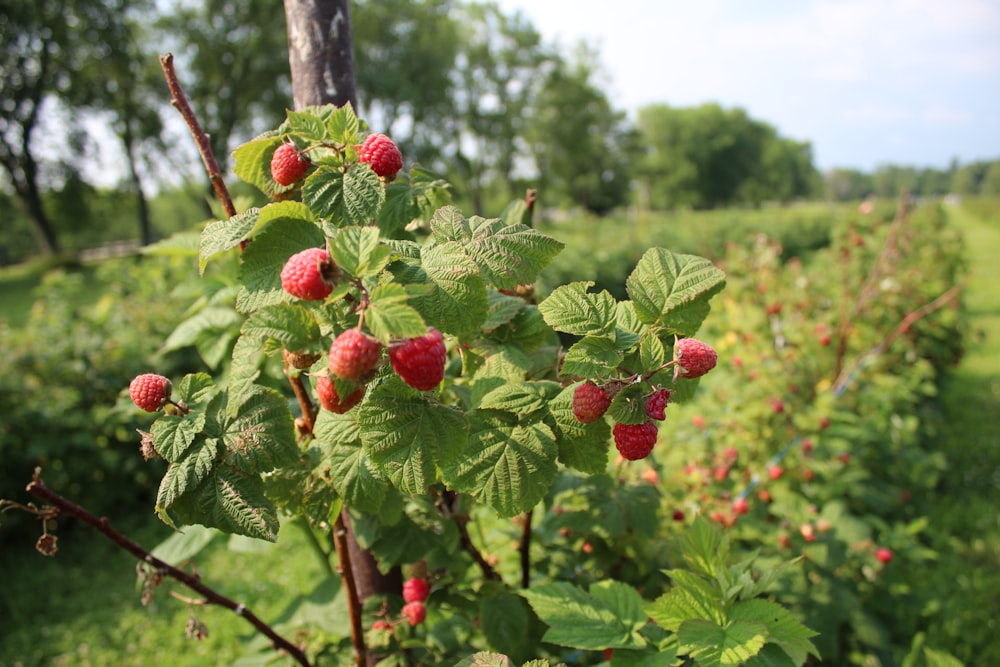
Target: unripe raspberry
(590,402)
(694,358)
(304,274)
(382,154)
(329,399)
(415,612)
(353,355)
(420,361)
(287,164)
(656,404)
(416,589)
(149,391)
(635,441)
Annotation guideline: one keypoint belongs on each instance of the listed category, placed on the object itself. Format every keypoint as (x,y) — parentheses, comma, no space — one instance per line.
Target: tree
(991,180)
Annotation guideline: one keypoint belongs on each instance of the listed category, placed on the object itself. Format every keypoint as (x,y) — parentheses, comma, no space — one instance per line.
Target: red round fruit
(420,361)
(149,391)
(415,612)
(303,275)
(382,154)
(288,165)
(330,399)
(740,505)
(775,472)
(656,404)
(590,402)
(883,555)
(353,355)
(694,358)
(416,589)
(635,441)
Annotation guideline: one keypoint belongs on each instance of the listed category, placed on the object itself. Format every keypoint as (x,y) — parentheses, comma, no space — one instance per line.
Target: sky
(867,82)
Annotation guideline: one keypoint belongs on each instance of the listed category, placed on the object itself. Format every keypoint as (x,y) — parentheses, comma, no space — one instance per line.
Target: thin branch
(353,601)
(37,488)
(179,101)
(525,549)
(301,394)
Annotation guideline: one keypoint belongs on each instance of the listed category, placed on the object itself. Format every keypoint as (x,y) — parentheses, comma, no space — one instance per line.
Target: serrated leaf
(578,620)
(252,163)
(184,545)
(672,290)
(581,446)
(506,622)
(459,305)
(508,364)
(623,600)
(332,429)
(510,255)
(262,435)
(705,548)
(573,310)
(506,465)
(194,387)
(772,655)
(715,645)
(406,434)
(209,323)
(292,325)
(783,629)
(352,248)
(363,196)
(485,659)
(516,213)
(629,405)
(355,479)
(323,193)
(343,125)
(522,398)
(223,235)
(277,213)
(186,474)
(448,224)
(592,357)
(260,270)
(501,309)
(243,371)
(173,435)
(306,125)
(672,609)
(232,502)
(389,314)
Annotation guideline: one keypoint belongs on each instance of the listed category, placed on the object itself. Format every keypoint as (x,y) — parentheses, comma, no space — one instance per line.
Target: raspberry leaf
(194,387)
(501,309)
(416,195)
(389,314)
(223,235)
(342,125)
(186,474)
(354,247)
(736,642)
(291,325)
(243,370)
(510,255)
(506,465)
(323,193)
(573,310)
(528,400)
(593,357)
(581,446)
(460,305)
(172,435)
(262,261)
(261,437)
(252,163)
(672,290)
(363,195)
(587,621)
(506,621)
(448,224)
(784,631)
(629,405)
(355,478)
(232,502)
(307,126)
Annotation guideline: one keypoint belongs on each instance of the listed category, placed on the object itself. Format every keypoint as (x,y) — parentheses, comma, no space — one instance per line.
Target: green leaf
(262,435)
(507,364)
(172,435)
(243,371)
(506,465)
(223,235)
(406,434)
(573,310)
(672,609)
(624,600)
(355,477)
(363,196)
(510,255)
(506,622)
(210,323)
(459,304)
(343,125)
(592,357)
(581,446)
(194,387)
(232,502)
(332,429)
(705,548)
(184,545)
(292,325)
(309,126)
(715,645)
(485,659)
(673,290)
(448,224)
(389,314)
(783,629)
(578,620)
(281,212)
(260,271)
(253,163)
(522,398)
(187,473)
(629,405)
(771,655)
(501,309)
(323,193)
(353,248)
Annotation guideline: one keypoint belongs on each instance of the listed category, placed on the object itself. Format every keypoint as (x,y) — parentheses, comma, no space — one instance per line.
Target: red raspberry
(329,399)
(416,590)
(694,358)
(382,154)
(420,361)
(884,555)
(288,165)
(149,391)
(635,441)
(740,505)
(381,625)
(590,402)
(353,355)
(415,612)
(656,404)
(775,472)
(304,275)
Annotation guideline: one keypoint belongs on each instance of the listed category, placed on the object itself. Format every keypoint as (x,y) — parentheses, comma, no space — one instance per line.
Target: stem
(461,521)
(301,393)
(525,549)
(321,553)
(179,101)
(37,488)
(353,602)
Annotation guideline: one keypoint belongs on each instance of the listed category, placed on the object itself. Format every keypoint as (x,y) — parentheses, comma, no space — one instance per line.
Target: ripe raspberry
(590,402)
(416,590)
(415,612)
(381,625)
(353,355)
(288,165)
(304,274)
(741,505)
(884,555)
(656,404)
(694,358)
(635,441)
(382,154)
(149,391)
(775,472)
(329,399)
(420,361)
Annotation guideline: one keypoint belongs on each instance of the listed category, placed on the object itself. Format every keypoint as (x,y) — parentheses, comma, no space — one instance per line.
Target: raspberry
(590,402)
(329,399)
(420,361)
(656,404)
(382,154)
(304,275)
(415,612)
(635,441)
(149,391)
(416,590)
(381,626)
(353,355)
(288,165)
(741,505)
(694,358)
(884,555)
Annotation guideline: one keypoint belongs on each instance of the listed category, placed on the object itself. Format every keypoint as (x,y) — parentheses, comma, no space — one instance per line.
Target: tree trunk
(142,206)
(321,52)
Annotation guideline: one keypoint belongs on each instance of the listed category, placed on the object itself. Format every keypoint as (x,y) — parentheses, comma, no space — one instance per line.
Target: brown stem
(37,488)
(179,101)
(347,576)
(301,394)
(525,549)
